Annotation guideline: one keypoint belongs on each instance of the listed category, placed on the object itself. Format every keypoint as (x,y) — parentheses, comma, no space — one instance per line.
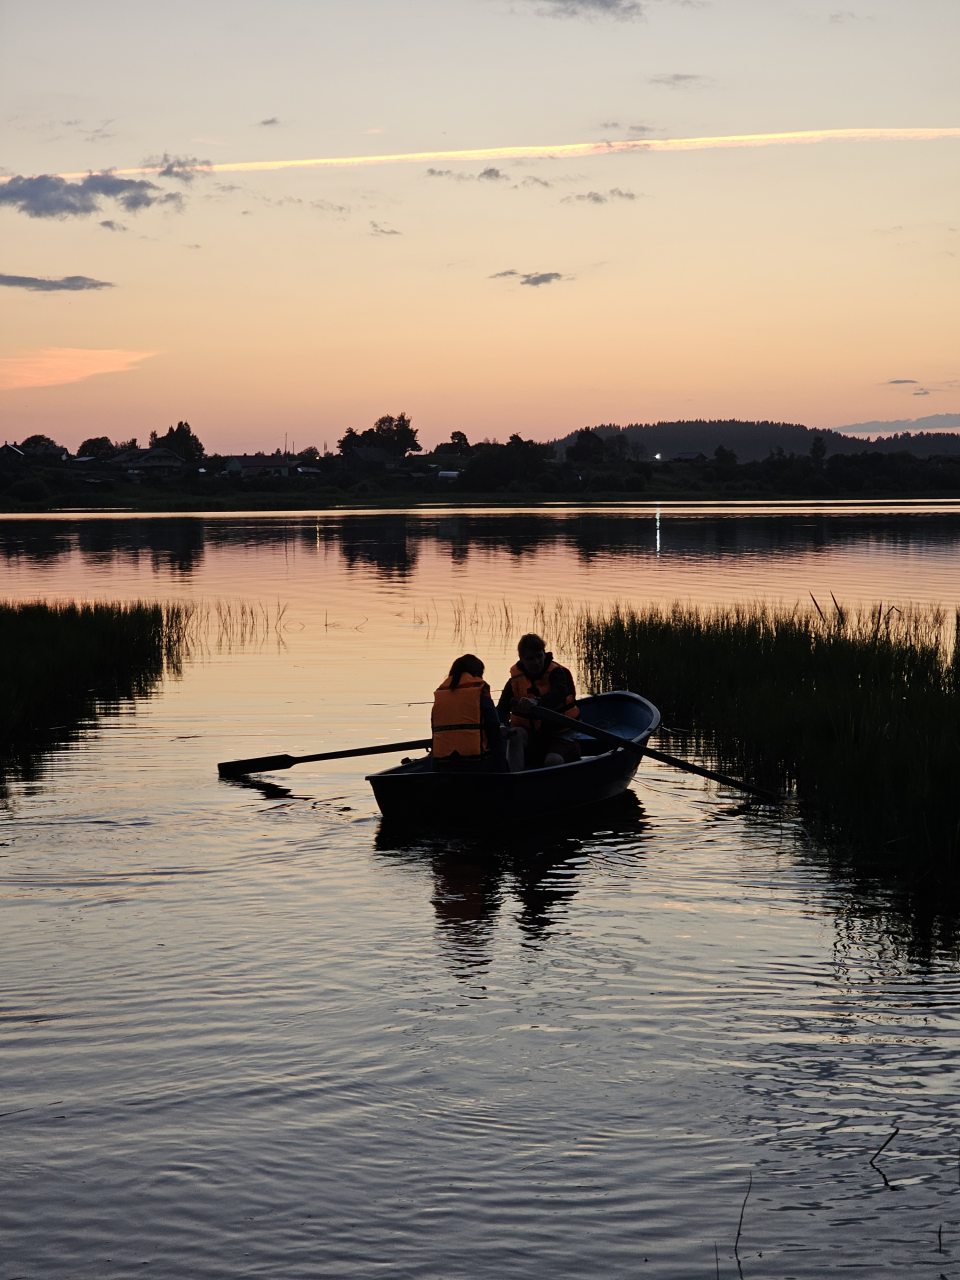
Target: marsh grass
(230,625)
(65,663)
(857,711)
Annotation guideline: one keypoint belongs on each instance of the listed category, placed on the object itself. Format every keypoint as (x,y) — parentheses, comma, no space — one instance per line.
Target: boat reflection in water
(532,872)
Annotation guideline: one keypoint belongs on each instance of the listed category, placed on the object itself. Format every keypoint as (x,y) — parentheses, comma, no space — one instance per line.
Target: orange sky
(682,256)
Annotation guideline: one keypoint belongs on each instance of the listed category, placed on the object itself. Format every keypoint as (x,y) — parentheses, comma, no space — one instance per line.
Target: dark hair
(530,642)
(466,665)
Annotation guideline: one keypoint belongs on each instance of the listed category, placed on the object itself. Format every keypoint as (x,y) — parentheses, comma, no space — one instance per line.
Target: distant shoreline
(167,505)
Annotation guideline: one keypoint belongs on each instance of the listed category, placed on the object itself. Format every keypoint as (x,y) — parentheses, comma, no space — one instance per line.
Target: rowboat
(416,791)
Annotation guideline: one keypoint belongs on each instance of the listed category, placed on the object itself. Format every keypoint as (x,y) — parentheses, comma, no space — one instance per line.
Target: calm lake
(250,1032)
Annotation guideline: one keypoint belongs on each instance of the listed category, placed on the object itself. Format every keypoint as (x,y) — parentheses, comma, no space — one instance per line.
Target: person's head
(468,664)
(532,652)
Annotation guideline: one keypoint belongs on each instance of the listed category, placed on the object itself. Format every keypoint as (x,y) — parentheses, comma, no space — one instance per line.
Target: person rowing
(466,728)
(537,680)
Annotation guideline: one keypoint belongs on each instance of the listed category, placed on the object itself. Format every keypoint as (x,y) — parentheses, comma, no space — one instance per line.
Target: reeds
(238,624)
(65,663)
(857,710)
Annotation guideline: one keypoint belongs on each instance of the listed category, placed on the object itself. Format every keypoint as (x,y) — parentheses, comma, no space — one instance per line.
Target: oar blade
(259,764)
(724,779)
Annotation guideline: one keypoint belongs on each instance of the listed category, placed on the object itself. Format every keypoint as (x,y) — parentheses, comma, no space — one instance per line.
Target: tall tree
(587,447)
(349,441)
(98,447)
(181,441)
(39,444)
(395,436)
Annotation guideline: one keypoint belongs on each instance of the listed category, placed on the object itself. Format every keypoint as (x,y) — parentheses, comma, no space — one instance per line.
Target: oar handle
(614,740)
(591,730)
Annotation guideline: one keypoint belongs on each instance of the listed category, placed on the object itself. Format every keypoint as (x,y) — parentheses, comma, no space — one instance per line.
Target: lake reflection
(391,543)
(250,1030)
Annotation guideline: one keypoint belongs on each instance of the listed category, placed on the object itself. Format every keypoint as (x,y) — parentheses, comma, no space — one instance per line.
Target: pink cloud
(54,366)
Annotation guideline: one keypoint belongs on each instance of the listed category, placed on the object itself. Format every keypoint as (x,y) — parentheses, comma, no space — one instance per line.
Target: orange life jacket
(521,686)
(457,721)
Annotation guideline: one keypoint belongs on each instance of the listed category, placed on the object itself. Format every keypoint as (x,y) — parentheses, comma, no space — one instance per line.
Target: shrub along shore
(856,712)
(66,663)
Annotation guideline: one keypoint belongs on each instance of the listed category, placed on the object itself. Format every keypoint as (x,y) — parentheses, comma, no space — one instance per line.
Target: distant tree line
(388,460)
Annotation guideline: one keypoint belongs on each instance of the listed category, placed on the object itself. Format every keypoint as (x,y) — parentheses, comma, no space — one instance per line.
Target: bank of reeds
(857,710)
(64,663)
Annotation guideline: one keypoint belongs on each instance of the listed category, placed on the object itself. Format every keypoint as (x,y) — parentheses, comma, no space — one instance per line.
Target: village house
(260,466)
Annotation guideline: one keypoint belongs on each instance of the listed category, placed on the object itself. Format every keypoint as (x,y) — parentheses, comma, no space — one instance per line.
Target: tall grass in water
(63,663)
(859,711)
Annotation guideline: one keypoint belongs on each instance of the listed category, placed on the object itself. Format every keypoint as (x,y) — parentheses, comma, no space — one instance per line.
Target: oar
(614,740)
(267,764)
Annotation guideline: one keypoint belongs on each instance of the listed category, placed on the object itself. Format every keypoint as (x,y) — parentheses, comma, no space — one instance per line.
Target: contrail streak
(572,150)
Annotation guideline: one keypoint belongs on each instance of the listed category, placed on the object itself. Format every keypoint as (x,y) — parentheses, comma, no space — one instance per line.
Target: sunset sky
(279,221)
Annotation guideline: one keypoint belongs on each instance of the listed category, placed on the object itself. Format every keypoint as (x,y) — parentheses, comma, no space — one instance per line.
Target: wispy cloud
(532,278)
(42,284)
(600,197)
(918,389)
(680,80)
(568,150)
(183,168)
(377,229)
(635,130)
(490,174)
(271,122)
(327,206)
(620,9)
(55,130)
(50,196)
(451,174)
(109,224)
(91,133)
(56,366)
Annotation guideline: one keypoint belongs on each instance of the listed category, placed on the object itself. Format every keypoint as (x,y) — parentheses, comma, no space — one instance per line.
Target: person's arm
(503,706)
(492,729)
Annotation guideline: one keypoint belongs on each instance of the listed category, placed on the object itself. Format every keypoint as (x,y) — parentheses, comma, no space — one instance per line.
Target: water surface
(252,1032)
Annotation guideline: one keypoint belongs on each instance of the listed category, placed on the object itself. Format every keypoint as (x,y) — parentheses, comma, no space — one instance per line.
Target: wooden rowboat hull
(415,792)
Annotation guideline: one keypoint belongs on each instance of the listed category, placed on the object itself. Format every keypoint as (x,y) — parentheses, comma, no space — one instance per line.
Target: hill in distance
(934,422)
(754,441)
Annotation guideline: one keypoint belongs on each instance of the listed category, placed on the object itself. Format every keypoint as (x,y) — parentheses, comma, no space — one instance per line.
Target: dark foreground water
(252,1033)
